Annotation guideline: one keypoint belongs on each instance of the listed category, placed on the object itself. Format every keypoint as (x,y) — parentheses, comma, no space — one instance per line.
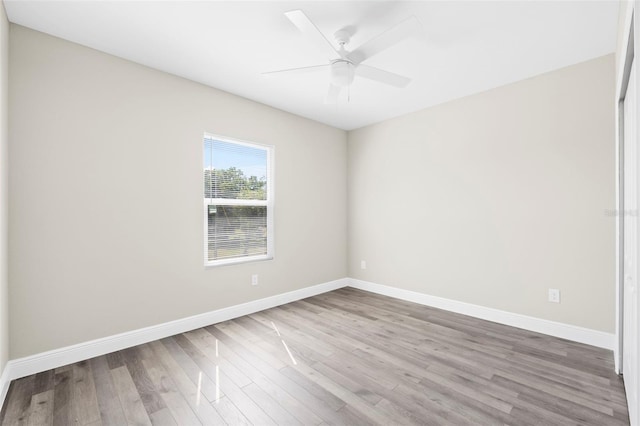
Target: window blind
(234,171)
(236,200)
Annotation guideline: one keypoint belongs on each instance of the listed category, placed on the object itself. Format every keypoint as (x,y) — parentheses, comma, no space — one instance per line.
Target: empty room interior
(338,212)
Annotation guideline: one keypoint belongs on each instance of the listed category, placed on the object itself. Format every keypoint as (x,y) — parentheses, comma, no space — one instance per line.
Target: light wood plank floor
(347,357)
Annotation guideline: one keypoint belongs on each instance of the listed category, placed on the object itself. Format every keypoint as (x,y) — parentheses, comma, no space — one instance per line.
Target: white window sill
(236,261)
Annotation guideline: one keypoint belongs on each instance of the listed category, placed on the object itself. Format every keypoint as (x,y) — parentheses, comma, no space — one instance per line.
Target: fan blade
(385,40)
(332,94)
(309,29)
(300,70)
(382,76)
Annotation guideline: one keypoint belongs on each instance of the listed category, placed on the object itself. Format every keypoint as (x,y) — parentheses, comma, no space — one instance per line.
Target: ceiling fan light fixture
(342,72)
(344,65)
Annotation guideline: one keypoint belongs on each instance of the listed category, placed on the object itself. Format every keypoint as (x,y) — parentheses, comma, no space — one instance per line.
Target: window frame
(269,203)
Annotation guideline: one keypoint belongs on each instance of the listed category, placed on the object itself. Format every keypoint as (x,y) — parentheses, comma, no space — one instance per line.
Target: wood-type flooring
(347,357)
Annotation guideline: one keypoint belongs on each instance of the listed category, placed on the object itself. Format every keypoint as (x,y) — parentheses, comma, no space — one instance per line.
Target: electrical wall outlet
(363,264)
(254,279)
(554,295)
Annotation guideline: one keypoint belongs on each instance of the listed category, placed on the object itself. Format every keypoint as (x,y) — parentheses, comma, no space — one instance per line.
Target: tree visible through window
(237,201)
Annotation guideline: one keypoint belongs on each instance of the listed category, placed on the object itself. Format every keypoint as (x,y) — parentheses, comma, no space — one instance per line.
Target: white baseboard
(4,384)
(552,328)
(26,366)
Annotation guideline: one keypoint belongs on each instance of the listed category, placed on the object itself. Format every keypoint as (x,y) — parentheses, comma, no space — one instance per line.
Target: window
(238,201)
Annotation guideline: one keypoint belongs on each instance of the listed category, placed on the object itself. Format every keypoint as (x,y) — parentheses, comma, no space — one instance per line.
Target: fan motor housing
(342,72)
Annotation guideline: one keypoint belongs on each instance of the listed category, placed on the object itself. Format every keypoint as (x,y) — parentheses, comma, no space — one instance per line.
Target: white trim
(237,261)
(552,328)
(26,366)
(4,384)
(33,364)
(622,68)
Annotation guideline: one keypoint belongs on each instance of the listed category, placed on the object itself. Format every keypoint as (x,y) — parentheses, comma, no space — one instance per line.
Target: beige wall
(4,187)
(106,204)
(494,198)
(491,199)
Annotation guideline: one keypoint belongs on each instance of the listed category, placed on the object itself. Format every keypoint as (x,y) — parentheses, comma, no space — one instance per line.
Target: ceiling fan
(344,65)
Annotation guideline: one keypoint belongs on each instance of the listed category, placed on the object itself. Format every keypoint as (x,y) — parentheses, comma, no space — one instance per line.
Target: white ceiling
(463,47)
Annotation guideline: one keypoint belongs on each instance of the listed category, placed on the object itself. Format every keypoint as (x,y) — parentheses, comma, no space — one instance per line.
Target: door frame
(630,40)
